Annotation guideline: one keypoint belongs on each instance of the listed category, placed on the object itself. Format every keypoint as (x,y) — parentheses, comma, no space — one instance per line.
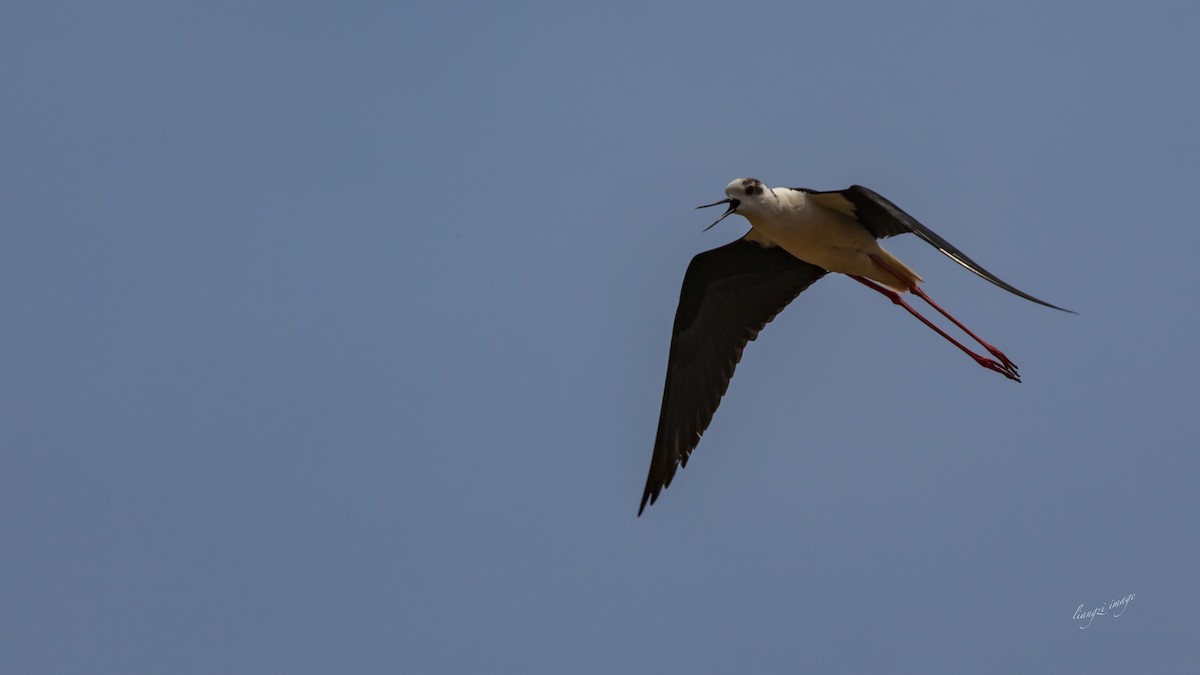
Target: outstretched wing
(885,219)
(729,294)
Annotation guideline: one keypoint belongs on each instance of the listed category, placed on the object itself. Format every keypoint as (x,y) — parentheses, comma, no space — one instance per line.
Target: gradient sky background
(332,339)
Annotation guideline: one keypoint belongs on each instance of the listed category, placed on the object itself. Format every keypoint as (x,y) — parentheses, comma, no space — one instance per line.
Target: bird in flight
(730,293)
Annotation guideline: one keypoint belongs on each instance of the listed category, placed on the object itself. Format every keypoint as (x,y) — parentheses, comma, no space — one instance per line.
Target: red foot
(1006,369)
(1008,364)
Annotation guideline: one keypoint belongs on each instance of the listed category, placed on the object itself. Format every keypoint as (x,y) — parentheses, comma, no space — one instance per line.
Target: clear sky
(332,339)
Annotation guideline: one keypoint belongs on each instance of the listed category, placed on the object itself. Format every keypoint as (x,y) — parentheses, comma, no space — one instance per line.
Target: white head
(744,195)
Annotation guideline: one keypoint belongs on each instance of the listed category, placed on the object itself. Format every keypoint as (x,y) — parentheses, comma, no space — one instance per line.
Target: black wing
(885,219)
(729,294)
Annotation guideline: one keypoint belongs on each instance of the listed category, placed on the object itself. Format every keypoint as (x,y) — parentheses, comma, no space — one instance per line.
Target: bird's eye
(751,189)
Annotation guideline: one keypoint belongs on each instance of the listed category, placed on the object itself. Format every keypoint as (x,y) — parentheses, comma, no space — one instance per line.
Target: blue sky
(332,339)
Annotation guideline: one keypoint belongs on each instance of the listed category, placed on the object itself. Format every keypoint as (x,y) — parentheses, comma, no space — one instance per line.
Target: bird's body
(730,293)
(834,241)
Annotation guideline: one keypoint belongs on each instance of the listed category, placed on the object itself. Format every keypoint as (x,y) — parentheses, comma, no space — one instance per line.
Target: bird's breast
(819,236)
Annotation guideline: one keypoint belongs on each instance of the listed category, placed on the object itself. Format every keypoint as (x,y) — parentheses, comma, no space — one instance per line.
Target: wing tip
(1029,297)
(1063,309)
(649,497)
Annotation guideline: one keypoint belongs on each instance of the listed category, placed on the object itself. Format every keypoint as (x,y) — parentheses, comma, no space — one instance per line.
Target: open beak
(733,204)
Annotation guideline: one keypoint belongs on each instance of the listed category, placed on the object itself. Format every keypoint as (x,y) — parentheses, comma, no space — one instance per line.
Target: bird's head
(744,196)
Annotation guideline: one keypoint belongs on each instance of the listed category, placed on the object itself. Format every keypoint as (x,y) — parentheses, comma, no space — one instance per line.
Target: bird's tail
(897,275)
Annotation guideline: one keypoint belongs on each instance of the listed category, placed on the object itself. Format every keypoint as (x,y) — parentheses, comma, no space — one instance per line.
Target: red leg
(981,360)
(916,290)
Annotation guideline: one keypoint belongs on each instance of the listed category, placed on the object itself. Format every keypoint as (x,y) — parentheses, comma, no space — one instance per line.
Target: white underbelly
(837,244)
